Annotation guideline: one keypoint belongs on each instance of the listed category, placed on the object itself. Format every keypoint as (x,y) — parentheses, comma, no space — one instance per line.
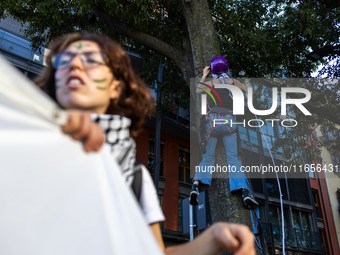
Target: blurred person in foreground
(88,73)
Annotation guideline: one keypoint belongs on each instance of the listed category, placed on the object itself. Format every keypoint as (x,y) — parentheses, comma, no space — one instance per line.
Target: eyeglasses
(89,59)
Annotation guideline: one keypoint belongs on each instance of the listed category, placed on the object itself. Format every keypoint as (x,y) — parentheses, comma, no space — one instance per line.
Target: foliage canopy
(262,38)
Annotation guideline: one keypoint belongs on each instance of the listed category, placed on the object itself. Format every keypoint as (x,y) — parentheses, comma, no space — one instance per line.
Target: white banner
(55,198)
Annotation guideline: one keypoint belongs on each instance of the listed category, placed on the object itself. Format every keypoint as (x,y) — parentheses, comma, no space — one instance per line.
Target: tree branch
(182,56)
(143,38)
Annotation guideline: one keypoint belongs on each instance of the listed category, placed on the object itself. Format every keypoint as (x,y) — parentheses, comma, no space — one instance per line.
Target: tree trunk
(204,45)
(202,35)
(225,206)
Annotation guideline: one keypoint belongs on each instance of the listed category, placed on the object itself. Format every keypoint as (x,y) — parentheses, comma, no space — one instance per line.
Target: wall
(171,183)
(331,184)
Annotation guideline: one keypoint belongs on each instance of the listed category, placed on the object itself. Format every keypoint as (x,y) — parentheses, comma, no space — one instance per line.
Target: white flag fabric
(55,198)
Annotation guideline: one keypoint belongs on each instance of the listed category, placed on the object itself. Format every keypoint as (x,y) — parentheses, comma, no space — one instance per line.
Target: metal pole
(158,132)
(191,222)
(157,150)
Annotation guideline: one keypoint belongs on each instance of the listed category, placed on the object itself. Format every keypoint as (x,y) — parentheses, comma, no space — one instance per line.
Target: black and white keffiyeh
(222,76)
(123,147)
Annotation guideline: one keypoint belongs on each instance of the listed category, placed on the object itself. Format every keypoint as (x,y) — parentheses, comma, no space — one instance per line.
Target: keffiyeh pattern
(123,147)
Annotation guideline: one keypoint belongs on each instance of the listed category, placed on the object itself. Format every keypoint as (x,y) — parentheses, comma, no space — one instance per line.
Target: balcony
(295,238)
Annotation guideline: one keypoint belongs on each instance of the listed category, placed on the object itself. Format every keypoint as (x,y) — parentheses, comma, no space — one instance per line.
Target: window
(301,220)
(16,45)
(311,173)
(243,134)
(329,134)
(336,162)
(317,203)
(267,142)
(184,165)
(253,137)
(268,129)
(275,216)
(248,135)
(323,242)
(151,156)
(305,221)
(298,190)
(17,40)
(2,32)
(271,180)
(271,131)
(283,131)
(302,226)
(180,218)
(267,136)
(275,219)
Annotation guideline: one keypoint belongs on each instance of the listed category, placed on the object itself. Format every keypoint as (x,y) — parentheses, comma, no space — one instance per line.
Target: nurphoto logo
(238,104)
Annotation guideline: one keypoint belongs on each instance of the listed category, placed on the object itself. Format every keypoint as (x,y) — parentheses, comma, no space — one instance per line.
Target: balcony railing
(293,237)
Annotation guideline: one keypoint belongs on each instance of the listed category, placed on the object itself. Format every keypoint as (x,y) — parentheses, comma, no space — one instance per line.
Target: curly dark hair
(134,102)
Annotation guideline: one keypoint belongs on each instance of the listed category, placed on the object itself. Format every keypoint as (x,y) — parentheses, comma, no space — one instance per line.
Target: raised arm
(206,71)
